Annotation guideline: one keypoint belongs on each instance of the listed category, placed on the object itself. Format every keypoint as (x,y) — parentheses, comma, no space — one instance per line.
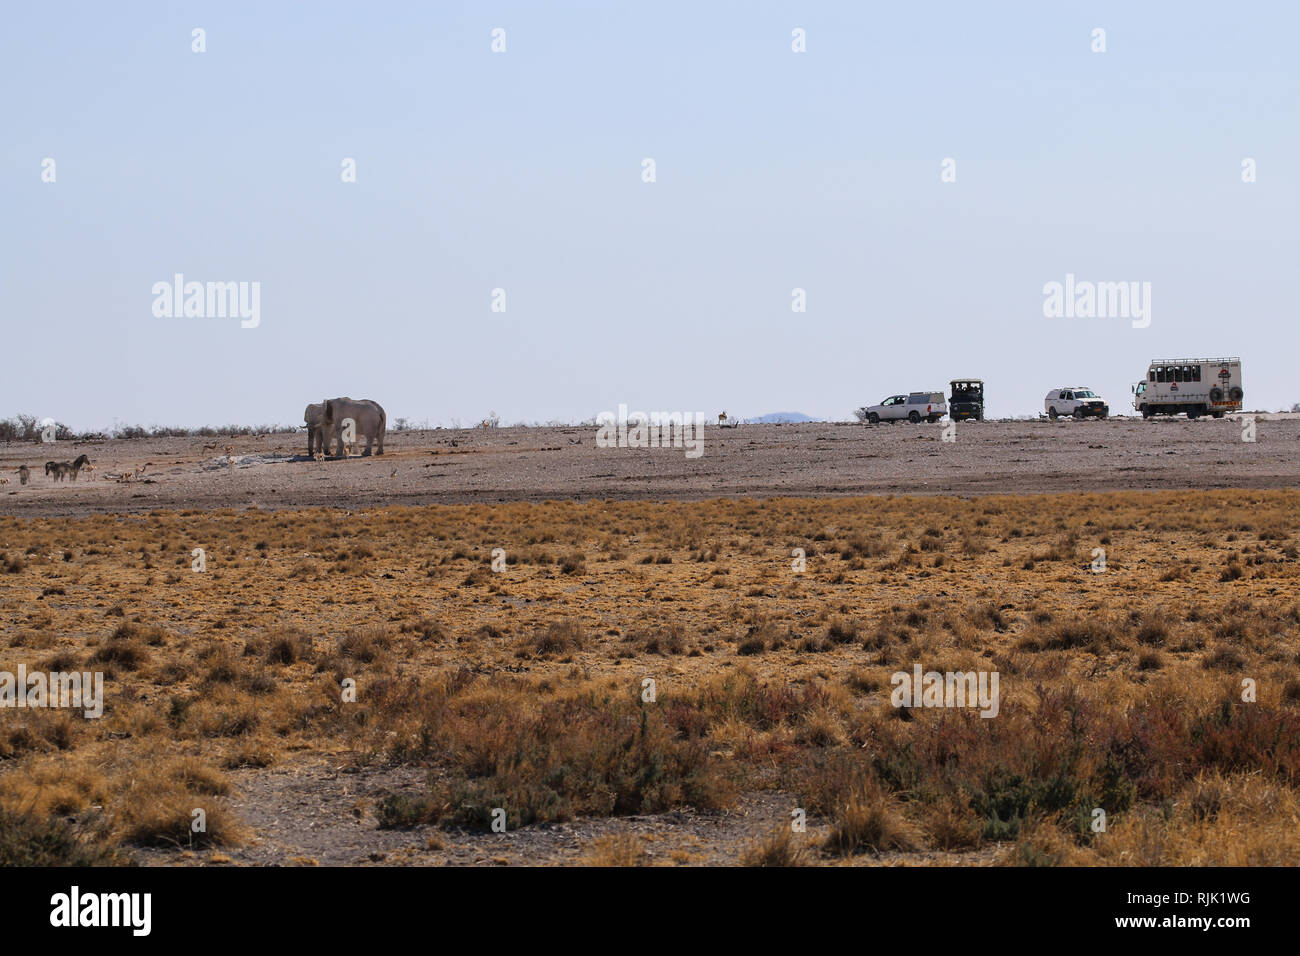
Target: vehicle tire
(1216,394)
(979,416)
(1193,414)
(1079,414)
(1146,412)
(914,417)
(1235,393)
(934,419)
(1217,414)
(1103,416)
(1051,413)
(873,418)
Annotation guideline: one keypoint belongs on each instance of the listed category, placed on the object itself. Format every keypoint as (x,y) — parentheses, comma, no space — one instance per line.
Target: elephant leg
(311,436)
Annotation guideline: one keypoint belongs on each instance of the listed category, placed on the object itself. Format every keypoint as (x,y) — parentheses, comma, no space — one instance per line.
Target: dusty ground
(318,814)
(538,464)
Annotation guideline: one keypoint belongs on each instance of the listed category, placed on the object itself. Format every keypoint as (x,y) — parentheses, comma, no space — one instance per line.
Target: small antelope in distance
(24,473)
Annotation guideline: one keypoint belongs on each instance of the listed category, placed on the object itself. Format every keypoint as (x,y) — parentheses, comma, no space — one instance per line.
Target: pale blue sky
(522,170)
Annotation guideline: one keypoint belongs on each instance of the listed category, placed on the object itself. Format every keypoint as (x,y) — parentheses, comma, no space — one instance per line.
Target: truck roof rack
(1195,361)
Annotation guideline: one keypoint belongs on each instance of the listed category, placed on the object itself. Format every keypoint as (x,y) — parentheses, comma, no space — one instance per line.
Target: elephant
(317,437)
(367,416)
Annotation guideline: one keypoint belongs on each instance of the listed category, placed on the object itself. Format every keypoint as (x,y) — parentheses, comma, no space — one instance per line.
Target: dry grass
(783,847)
(524,689)
(618,849)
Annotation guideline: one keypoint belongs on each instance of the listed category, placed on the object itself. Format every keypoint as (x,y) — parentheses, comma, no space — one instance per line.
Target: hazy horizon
(522,170)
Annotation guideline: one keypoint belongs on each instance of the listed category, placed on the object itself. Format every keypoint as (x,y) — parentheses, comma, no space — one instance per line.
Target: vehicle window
(1196,373)
(1084,394)
(1151,375)
(1160,374)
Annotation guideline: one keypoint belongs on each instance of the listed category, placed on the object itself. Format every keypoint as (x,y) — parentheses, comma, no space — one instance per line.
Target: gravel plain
(535,464)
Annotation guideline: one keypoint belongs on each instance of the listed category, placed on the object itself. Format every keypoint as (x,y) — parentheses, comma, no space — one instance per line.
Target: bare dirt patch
(539,464)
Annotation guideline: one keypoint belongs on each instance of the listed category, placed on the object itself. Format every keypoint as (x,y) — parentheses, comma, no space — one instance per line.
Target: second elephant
(317,436)
(367,417)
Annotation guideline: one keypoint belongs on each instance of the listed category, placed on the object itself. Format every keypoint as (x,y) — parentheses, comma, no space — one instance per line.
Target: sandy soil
(536,464)
(315,813)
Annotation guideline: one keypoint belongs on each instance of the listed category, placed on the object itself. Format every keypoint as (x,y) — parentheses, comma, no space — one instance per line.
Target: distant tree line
(29,428)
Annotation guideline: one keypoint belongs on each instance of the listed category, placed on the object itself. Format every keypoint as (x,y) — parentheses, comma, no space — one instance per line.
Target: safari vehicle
(915,407)
(1075,401)
(1193,386)
(967,399)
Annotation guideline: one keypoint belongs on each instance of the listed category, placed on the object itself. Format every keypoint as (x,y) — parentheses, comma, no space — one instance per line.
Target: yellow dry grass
(1120,686)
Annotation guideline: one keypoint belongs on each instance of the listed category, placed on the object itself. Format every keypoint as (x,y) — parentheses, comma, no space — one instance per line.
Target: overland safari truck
(1195,386)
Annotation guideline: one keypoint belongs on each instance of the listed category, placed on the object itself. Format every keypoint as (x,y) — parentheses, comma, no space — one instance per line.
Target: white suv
(916,407)
(1077,401)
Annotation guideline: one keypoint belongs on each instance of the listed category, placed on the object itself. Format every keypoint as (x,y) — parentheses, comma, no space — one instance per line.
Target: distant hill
(781,418)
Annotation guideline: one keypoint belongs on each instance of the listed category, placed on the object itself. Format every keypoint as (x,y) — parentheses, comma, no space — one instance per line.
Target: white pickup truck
(915,407)
(1196,387)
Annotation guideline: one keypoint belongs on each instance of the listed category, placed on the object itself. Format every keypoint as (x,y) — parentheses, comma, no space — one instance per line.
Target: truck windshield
(1083,393)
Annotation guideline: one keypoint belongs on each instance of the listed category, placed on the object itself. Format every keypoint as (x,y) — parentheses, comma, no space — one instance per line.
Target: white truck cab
(1074,401)
(914,407)
(1195,387)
